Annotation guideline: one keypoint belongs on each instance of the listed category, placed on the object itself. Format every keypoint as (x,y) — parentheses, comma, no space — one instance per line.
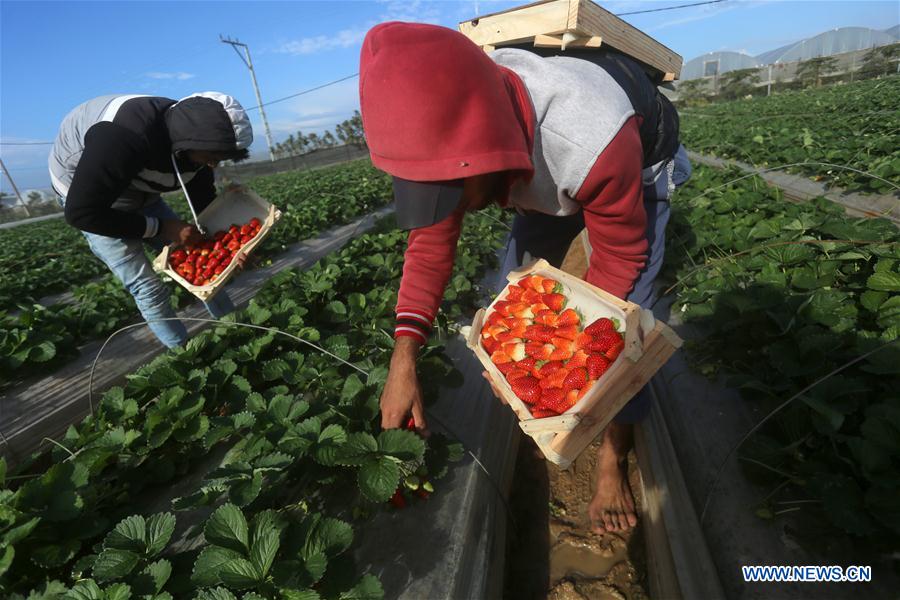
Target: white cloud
(316,112)
(180,75)
(310,45)
(704,13)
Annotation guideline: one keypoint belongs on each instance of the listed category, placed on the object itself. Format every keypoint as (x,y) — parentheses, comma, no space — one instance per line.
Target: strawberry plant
(783,295)
(285,441)
(853,125)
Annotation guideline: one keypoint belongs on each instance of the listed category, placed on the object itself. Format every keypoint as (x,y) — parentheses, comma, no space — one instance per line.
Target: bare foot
(612,507)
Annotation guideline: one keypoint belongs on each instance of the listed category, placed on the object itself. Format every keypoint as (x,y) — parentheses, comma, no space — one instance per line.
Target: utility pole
(769,83)
(15,189)
(249,64)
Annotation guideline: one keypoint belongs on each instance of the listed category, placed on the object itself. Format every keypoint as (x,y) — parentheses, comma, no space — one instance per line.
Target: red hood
(435,107)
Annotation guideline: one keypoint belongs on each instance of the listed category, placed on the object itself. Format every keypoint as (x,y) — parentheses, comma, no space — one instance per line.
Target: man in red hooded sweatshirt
(573,141)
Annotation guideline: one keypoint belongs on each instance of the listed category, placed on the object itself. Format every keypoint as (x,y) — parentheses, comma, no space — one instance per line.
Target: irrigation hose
(275,330)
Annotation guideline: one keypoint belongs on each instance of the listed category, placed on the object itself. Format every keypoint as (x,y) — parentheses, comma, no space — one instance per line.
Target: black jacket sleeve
(202,189)
(112,156)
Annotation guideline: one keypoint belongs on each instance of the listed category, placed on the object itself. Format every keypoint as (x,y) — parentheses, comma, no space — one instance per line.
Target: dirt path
(551,552)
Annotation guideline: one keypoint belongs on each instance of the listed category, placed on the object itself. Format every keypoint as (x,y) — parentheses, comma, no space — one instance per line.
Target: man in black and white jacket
(113,157)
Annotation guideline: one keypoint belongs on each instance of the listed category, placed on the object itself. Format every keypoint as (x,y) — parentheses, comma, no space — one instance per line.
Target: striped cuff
(152,227)
(413,323)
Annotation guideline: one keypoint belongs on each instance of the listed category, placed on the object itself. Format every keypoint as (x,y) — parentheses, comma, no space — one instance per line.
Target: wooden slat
(45,407)
(547,18)
(556,41)
(624,37)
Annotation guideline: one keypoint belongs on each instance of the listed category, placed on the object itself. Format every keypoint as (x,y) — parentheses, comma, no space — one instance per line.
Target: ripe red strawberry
(548,368)
(510,336)
(553,399)
(582,340)
(570,332)
(614,352)
(514,293)
(527,389)
(532,282)
(520,310)
(572,398)
(539,333)
(576,379)
(492,330)
(495,318)
(554,302)
(540,413)
(505,367)
(397,500)
(538,350)
(514,323)
(516,373)
(579,359)
(502,307)
(514,350)
(585,390)
(600,325)
(563,344)
(555,379)
(530,296)
(596,366)
(562,354)
(550,285)
(538,307)
(604,341)
(547,317)
(490,345)
(528,364)
(568,317)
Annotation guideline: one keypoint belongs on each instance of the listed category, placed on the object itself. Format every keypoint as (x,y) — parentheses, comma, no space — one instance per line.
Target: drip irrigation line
(478,462)
(721,469)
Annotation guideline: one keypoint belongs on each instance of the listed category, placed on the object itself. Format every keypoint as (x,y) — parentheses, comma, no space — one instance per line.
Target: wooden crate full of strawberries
(235,223)
(565,355)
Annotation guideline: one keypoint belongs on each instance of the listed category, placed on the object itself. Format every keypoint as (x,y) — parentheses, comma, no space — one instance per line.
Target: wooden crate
(572,24)
(648,345)
(235,206)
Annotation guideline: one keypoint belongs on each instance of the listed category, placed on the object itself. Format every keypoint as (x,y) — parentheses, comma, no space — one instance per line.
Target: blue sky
(55,55)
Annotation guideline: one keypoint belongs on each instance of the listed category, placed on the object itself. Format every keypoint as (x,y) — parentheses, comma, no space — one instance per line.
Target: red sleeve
(612,198)
(427,265)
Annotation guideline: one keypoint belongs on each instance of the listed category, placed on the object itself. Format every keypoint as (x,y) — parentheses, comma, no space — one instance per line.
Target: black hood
(201,123)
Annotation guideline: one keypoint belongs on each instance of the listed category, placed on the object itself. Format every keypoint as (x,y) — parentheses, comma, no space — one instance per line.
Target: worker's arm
(612,199)
(427,265)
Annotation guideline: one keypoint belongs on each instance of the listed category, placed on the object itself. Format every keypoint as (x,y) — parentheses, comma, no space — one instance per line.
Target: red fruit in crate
(554,302)
(234,230)
(568,317)
(199,281)
(538,307)
(555,379)
(490,345)
(517,373)
(561,343)
(570,333)
(547,317)
(582,340)
(572,398)
(579,359)
(245,229)
(548,368)
(587,387)
(614,352)
(495,318)
(178,255)
(604,341)
(255,223)
(514,350)
(201,261)
(520,310)
(218,270)
(539,333)
(492,330)
(553,399)
(500,358)
(226,238)
(514,293)
(532,282)
(528,364)
(527,389)
(576,379)
(596,366)
(245,239)
(218,247)
(530,297)
(550,285)
(514,323)
(233,245)
(511,335)
(600,325)
(219,235)
(188,269)
(562,354)
(538,350)
(502,308)
(541,413)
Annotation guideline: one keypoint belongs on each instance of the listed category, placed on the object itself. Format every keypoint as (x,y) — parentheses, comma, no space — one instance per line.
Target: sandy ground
(551,552)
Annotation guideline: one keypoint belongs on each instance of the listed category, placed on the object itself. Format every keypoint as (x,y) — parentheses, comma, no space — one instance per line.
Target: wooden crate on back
(572,24)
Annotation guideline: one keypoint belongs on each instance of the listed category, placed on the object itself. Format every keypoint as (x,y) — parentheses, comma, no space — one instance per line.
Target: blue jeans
(549,237)
(127,261)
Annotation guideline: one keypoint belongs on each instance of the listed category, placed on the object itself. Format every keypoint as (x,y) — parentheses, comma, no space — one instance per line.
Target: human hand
(402,393)
(497,393)
(179,232)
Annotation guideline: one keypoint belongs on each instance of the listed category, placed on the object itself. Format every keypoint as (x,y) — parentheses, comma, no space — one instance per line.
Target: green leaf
(129,534)
(113,564)
(274,369)
(368,588)
(118,591)
(889,313)
(55,555)
(218,593)
(352,387)
(872,299)
(262,554)
(245,491)
(885,281)
(2,470)
(336,311)
(20,532)
(227,528)
(6,557)
(357,450)
(255,403)
(329,536)
(289,594)
(209,563)
(85,590)
(152,578)
(239,574)
(159,531)
(329,443)
(378,479)
(42,352)
(313,568)
(402,444)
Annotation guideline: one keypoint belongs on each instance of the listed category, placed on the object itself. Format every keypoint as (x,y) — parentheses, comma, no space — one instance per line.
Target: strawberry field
(276,445)
(855,125)
(34,338)
(798,306)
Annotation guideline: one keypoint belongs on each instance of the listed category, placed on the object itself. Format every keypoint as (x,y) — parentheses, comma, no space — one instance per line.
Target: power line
(318,87)
(650,10)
